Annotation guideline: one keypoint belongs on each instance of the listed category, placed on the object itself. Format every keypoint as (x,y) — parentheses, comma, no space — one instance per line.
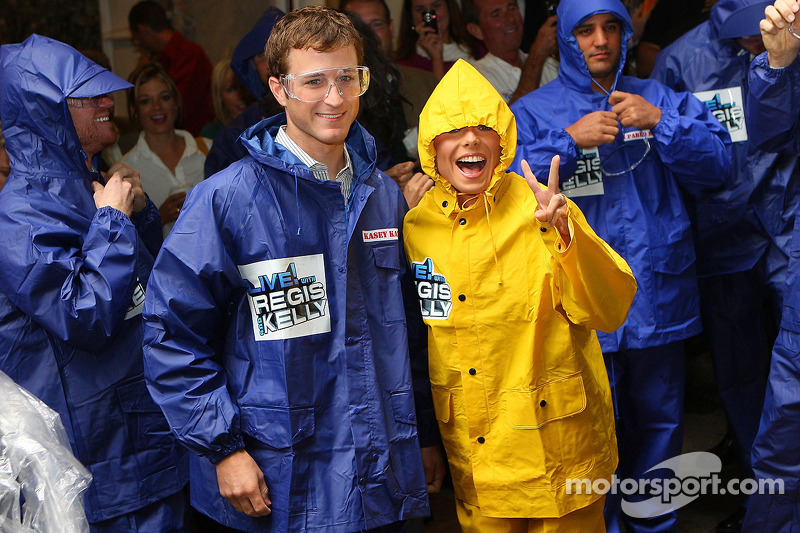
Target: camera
(551,6)
(429,20)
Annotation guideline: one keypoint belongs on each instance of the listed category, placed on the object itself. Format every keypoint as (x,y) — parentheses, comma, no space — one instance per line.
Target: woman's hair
(380,108)
(142,75)
(319,28)
(407,38)
(217,79)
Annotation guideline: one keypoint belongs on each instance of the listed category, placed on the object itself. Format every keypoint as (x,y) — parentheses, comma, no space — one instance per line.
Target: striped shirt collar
(320,170)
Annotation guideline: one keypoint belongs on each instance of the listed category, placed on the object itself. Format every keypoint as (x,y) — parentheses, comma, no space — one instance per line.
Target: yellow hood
(465,98)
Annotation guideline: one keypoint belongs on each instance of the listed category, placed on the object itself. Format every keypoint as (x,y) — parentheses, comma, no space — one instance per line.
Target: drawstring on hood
(464,98)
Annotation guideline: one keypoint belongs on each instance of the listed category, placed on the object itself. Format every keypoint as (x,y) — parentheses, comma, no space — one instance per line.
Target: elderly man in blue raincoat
(773,115)
(743,231)
(77,253)
(629,150)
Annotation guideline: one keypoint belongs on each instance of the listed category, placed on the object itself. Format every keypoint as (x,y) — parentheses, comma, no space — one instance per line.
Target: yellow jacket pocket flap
(532,409)
(442,404)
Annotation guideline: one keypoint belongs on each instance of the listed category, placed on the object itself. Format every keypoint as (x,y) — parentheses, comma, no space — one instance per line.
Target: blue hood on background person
(730,19)
(251,44)
(573,69)
(39,132)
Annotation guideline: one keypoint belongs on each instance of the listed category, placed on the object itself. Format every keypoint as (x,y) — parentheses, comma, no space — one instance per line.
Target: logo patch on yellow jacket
(432,290)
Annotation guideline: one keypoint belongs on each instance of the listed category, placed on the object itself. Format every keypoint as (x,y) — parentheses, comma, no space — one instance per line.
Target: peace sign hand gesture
(552,208)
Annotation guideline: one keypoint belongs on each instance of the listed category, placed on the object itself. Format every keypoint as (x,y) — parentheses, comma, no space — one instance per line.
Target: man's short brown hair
(320,28)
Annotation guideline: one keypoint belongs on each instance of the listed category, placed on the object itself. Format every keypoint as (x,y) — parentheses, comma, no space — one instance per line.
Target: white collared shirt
(320,170)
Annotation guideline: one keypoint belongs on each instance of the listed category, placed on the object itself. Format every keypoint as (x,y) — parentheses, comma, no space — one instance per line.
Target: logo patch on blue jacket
(287,297)
(137,301)
(728,106)
(433,291)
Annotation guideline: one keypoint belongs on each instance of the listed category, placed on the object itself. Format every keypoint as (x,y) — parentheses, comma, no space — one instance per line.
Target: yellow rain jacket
(519,386)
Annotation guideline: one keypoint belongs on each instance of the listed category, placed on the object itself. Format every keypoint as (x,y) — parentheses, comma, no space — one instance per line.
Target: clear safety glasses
(89,101)
(315,86)
(629,150)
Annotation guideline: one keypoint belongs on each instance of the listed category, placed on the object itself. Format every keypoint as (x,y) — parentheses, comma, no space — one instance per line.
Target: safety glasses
(315,86)
(89,101)
(629,150)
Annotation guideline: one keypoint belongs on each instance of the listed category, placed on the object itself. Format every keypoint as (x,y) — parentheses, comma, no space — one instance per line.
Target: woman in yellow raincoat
(512,282)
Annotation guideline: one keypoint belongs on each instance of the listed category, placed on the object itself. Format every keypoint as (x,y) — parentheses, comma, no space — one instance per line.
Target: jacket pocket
(404,413)
(277,427)
(532,409)
(674,291)
(442,404)
(148,429)
(387,261)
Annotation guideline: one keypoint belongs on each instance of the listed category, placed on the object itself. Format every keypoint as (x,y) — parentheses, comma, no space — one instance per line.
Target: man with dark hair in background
(185,61)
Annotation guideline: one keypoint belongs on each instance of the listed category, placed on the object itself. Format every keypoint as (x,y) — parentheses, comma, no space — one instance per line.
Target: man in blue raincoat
(276,338)
(742,231)
(629,149)
(773,116)
(77,254)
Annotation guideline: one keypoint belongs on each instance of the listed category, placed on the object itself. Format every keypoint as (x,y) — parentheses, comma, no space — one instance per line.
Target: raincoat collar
(36,77)
(259,140)
(572,68)
(465,98)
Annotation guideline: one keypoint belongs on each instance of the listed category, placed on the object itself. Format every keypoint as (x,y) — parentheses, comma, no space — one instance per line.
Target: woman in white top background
(170,161)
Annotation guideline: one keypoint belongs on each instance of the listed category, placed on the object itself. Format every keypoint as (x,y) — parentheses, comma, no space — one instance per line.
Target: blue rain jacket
(641,214)
(773,111)
(275,323)
(736,223)
(73,283)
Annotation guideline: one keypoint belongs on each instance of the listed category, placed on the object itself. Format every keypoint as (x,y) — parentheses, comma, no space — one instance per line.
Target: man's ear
(276,87)
(475,30)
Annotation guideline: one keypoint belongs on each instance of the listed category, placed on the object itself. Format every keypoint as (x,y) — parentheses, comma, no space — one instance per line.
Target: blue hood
(572,69)
(36,76)
(251,44)
(730,19)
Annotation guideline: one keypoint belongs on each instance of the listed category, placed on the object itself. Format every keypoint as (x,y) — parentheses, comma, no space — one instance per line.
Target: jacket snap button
(461,297)
(481,440)
(543,229)
(462,221)
(444,204)
(543,403)
(472,371)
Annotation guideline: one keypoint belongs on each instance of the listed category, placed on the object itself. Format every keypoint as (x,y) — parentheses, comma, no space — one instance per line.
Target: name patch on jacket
(137,301)
(287,297)
(377,235)
(588,177)
(432,290)
(728,106)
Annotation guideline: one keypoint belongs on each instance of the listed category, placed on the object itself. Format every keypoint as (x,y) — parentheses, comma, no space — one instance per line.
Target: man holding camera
(498,24)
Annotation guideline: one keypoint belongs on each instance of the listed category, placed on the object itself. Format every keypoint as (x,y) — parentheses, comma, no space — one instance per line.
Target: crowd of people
(343,263)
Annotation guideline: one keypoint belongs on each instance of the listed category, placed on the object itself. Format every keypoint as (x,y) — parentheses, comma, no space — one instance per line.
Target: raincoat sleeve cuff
(666,127)
(552,237)
(113,213)
(234,445)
